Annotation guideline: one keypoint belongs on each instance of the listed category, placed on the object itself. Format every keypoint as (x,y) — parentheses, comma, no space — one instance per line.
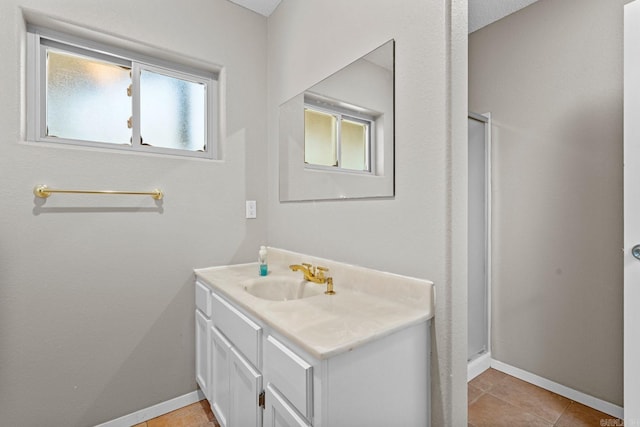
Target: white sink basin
(282,288)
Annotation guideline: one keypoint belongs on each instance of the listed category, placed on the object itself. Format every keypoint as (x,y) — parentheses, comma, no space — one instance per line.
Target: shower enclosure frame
(482,361)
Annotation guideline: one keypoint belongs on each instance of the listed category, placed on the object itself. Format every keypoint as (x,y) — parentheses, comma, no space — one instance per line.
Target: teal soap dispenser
(262,259)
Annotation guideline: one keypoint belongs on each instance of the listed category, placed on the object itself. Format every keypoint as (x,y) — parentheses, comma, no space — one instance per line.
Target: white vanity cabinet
(255,375)
(229,360)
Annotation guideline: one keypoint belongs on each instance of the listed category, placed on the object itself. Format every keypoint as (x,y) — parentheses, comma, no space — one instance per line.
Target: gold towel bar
(43,191)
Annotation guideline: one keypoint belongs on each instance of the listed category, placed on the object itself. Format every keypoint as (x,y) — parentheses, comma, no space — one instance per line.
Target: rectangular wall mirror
(337,137)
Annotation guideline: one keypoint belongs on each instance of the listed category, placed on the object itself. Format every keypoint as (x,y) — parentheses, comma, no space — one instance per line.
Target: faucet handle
(321,271)
(306,264)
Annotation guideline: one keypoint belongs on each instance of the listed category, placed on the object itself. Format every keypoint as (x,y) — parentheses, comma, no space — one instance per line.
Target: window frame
(39,40)
(343,113)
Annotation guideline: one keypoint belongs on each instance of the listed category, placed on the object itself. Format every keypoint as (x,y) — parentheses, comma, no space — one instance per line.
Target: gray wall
(551,75)
(96,294)
(96,299)
(412,232)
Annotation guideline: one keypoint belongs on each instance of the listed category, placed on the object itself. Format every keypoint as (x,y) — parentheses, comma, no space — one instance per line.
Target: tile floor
(497,399)
(195,415)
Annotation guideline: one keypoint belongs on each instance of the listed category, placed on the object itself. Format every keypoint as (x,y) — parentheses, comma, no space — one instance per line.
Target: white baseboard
(155,410)
(478,366)
(569,393)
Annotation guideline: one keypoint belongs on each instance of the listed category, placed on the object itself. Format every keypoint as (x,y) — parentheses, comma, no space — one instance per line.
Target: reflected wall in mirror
(337,137)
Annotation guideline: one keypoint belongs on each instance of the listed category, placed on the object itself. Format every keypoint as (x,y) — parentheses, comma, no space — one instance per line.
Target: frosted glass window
(87,99)
(354,145)
(320,138)
(83,92)
(172,112)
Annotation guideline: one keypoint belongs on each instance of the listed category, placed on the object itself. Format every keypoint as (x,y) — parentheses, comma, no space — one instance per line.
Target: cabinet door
(245,384)
(219,379)
(278,412)
(202,352)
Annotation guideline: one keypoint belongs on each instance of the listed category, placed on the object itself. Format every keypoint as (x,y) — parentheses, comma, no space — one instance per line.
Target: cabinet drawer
(291,374)
(203,299)
(243,332)
(278,412)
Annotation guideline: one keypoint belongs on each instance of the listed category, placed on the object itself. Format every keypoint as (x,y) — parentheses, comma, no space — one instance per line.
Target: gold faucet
(315,275)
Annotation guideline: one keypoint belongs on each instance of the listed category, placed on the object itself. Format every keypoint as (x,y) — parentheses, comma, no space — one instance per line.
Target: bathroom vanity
(278,351)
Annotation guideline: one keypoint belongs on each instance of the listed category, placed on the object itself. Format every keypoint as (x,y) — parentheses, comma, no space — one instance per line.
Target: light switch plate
(251,209)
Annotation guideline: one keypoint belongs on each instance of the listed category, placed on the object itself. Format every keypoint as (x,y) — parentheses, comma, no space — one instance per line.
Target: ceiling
(481,12)
(484,12)
(263,7)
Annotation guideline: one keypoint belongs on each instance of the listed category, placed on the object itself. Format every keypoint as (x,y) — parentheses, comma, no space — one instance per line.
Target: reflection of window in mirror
(337,139)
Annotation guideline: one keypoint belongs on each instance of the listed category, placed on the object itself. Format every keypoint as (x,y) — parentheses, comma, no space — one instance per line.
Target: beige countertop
(368,304)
